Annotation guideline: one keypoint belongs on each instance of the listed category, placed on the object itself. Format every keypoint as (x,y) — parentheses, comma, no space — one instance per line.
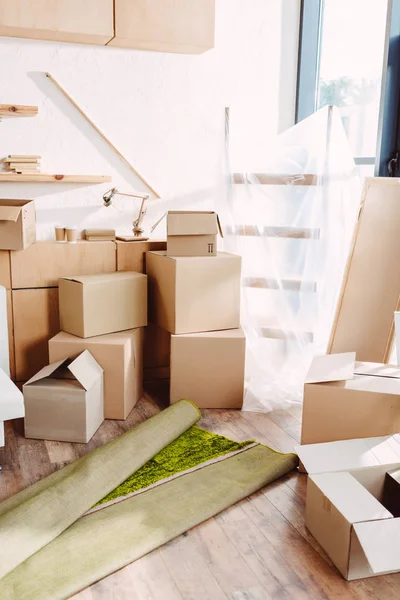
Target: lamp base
(131,238)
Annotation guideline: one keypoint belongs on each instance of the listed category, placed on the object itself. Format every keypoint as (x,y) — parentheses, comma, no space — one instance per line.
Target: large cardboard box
(17,224)
(35,322)
(64,401)
(344,399)
(371,287)
(344,509)
(192,233)
(131,256)
(194,294)
(121,357)
(98,304)
(208,368)
(44,263)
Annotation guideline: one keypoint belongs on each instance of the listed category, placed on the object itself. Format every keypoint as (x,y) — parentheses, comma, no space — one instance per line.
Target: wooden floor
(257,550)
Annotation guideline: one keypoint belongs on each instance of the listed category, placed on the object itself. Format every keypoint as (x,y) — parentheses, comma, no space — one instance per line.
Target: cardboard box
(192,233)
(121,357)
(208,368)
(391,492)
(131,256)
(194,294)
(344,399)
(371,287)
(35,322)
(5,269)
(64,401)
(17,224)
(98,304)
(344,510)
(44,263)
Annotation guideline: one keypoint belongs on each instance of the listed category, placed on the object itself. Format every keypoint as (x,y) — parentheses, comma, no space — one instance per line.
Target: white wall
(165,112)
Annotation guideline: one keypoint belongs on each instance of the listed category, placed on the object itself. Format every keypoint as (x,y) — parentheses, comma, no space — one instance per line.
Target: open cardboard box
(344,510)
(192,233)
(17,224)
(345,399)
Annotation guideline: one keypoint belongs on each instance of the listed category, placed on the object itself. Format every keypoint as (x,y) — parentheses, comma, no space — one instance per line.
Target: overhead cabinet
(88,22)
(184,26)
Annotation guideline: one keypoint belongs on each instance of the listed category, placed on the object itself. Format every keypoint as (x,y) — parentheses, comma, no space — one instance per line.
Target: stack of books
(100,235)
(22,164)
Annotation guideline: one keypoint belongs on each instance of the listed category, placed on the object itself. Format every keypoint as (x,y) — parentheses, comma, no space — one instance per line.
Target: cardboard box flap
(47,371)
(332,367)
(103,277)
(380,541)
(377,370)
(85,369)
(350,498)
(10,213)
(192,223)
(349,454)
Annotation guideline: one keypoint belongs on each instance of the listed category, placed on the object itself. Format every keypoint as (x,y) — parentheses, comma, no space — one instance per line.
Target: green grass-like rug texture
(192,448)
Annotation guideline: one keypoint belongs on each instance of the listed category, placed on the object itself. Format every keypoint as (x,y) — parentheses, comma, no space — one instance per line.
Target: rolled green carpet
(121,529)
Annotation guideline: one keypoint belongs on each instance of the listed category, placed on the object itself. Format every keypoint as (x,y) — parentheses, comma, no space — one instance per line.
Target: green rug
(53,545)
(192,448)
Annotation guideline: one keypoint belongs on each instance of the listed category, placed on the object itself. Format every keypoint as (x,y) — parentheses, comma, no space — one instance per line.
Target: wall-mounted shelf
(15,110)
(46,178)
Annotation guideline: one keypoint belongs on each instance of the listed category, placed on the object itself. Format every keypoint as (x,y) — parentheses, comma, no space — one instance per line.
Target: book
(29,161)
(24,156)
(32,166)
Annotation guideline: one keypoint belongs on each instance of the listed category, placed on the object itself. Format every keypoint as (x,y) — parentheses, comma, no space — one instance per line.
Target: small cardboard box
(17,224)
(120,355)
(344,399)
(194,294)
(98,304)
(64,401)
(344,504)
(192,233)
(208,368)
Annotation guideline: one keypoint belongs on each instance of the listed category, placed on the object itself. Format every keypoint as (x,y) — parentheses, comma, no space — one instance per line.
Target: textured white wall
(165,112)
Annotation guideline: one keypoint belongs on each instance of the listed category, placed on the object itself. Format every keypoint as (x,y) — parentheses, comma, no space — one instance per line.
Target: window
(341,59)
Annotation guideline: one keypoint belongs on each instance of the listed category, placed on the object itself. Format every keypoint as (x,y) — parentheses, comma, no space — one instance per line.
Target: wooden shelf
(46,178)
(15,110)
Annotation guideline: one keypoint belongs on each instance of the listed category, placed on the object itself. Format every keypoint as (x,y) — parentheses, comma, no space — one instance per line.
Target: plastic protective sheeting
(292,224)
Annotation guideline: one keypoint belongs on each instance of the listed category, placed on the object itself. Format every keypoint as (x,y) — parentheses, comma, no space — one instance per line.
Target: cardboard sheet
(371,287)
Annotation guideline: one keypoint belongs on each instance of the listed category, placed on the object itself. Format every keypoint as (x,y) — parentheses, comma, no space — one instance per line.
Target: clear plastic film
(292,223)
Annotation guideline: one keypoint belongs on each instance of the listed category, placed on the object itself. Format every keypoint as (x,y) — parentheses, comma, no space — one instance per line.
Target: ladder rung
(275,232)
(282,334)
(277,179)
(282,284)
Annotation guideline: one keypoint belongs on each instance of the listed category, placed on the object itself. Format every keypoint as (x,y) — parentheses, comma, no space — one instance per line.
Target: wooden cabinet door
(184,26)
(78,21)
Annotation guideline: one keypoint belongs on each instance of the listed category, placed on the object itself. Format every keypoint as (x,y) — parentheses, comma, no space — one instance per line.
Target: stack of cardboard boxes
(101,318)
(194,294)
